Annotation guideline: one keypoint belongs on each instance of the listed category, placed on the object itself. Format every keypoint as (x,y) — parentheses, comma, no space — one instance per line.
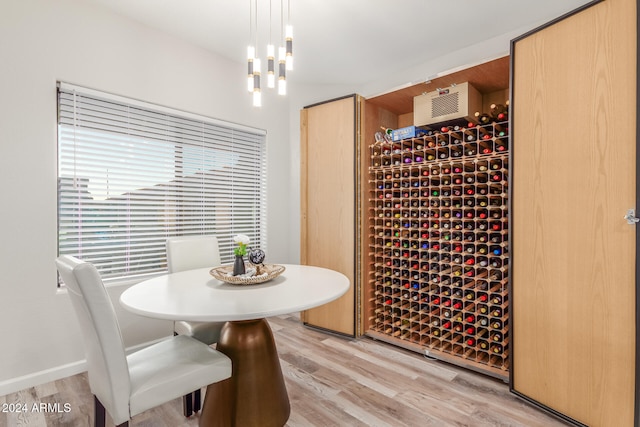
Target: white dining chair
(127,385)
(188,253)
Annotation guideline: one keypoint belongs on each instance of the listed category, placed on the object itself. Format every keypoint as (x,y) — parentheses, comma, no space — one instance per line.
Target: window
(132,174)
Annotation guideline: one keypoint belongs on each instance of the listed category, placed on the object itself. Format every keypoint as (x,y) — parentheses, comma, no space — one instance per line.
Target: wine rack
(438,240)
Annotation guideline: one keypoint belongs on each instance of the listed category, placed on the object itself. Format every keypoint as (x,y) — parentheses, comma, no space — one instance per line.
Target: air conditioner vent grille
(446,104)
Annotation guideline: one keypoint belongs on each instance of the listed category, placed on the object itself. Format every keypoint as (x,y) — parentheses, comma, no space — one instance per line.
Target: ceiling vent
(456,102)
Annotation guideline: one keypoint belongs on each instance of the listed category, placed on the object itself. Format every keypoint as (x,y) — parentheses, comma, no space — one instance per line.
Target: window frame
(250,199)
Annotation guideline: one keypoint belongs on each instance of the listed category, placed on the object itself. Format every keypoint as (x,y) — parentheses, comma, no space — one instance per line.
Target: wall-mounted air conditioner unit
(456,102)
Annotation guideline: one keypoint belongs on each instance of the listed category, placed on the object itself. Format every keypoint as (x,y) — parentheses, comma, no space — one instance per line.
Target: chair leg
(99,413)
(187,399)
(197,400)
(187,404)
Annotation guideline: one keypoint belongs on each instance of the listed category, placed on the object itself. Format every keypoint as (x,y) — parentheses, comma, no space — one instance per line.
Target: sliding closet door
(574,178)
(328,203)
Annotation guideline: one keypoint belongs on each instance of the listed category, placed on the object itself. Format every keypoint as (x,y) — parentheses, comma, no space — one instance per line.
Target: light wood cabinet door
(573,295)
(328,203)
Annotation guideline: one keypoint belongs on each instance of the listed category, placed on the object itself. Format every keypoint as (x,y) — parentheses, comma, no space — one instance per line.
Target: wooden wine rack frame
(438,241)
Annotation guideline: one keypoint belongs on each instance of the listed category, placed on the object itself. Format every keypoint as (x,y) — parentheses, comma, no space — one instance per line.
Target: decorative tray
(262,273)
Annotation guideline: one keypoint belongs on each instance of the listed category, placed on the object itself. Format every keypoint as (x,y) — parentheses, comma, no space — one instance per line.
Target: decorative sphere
(256,256)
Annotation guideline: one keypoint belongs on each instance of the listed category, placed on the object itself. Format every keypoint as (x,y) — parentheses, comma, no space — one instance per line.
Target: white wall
(42,41)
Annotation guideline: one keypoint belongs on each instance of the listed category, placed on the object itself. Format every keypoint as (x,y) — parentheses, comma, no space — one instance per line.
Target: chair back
(106,360)
(190,252)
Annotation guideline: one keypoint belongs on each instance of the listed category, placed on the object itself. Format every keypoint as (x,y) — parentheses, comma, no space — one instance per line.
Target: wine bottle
(496,109)
(486,131)
(470,136)
(483,297)
(496,299)
(498,112)
(482,118)
(501,144)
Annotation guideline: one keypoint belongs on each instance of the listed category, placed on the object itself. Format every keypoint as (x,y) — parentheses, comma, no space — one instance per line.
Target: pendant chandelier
(285,53)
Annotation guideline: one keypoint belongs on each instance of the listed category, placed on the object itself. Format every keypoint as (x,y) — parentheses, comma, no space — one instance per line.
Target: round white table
(255,395)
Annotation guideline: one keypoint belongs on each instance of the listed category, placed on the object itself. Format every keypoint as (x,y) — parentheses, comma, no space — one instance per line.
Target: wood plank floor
(332,381)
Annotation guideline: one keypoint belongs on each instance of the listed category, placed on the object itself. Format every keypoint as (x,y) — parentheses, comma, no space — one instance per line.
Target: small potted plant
(240,251)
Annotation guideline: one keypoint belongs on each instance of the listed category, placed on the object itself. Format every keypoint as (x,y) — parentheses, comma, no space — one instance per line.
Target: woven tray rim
(221,273)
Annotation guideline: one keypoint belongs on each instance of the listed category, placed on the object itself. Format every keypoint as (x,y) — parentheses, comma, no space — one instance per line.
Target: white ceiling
(343,41)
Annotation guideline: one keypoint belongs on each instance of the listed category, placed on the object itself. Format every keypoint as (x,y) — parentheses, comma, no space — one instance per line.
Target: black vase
(238,265)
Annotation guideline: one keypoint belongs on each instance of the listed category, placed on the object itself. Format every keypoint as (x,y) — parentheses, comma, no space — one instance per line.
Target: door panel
(574,177)
(328,228)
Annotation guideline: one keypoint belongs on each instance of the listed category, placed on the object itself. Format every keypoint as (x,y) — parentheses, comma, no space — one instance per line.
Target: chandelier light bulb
(289,46)
(257,96)
(282,86)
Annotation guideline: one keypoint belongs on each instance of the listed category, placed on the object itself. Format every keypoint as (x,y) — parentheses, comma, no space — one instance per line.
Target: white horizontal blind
(131,175)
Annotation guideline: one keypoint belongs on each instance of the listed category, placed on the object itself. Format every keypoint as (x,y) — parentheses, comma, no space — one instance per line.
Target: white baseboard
(14,385)
(36,378)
